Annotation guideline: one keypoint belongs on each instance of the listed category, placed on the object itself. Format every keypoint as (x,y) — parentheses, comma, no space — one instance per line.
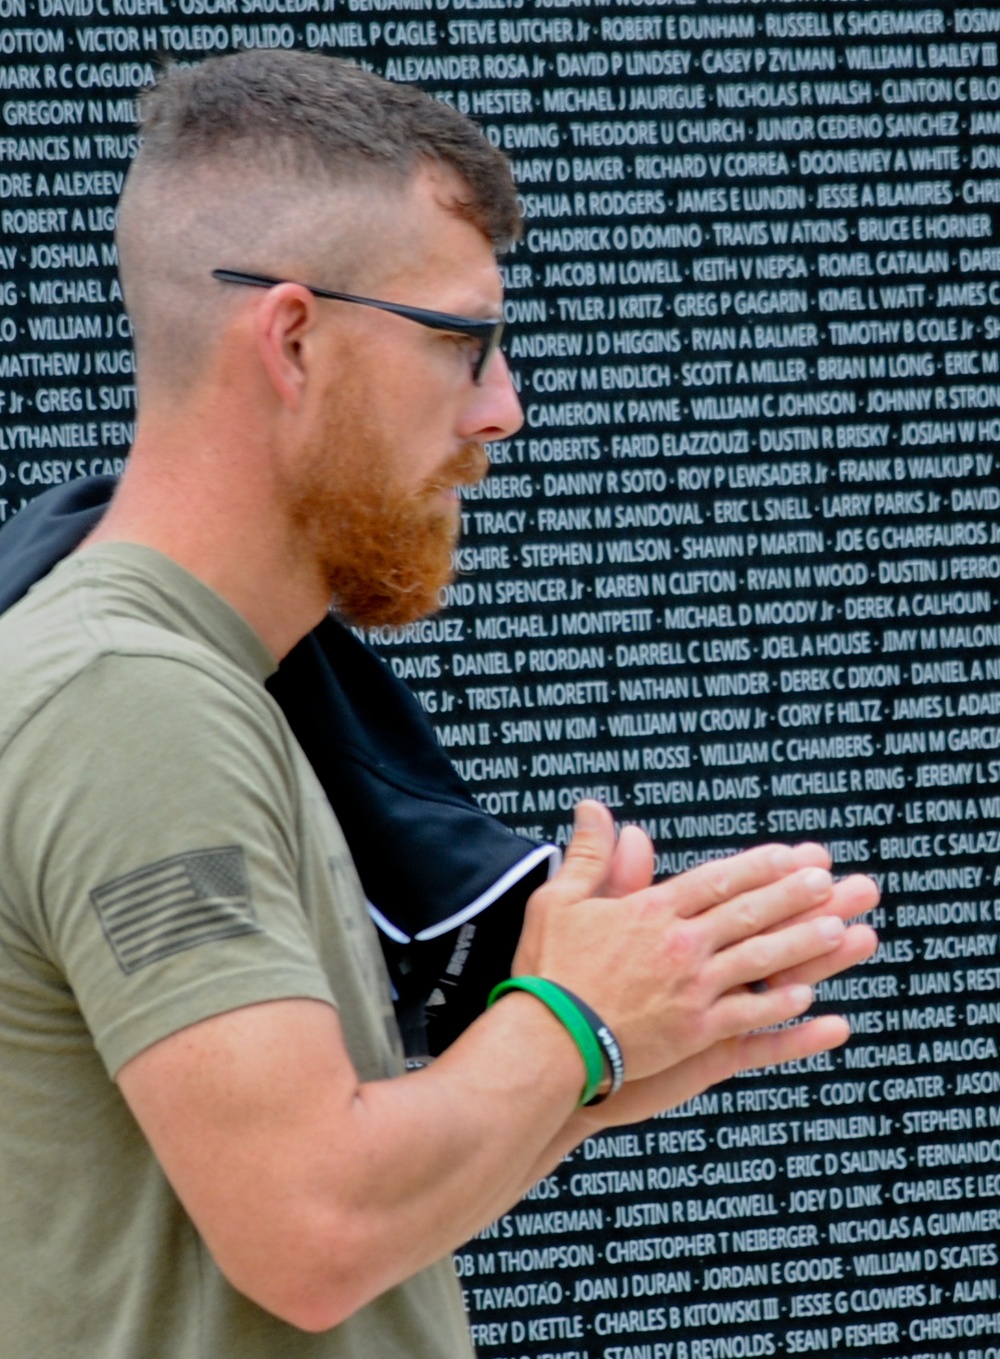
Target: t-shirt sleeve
(155,847)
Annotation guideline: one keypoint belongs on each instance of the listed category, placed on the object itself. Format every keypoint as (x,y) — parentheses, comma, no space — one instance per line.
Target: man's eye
(468,345)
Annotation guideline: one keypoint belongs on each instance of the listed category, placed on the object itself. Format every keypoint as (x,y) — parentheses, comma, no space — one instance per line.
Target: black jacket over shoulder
(446,882)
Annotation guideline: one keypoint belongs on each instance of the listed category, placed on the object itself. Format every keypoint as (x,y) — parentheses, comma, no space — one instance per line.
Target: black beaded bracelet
(609,1044)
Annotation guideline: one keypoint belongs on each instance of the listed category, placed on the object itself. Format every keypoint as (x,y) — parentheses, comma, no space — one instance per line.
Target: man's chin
(390,559)
(394,601)
(389,613)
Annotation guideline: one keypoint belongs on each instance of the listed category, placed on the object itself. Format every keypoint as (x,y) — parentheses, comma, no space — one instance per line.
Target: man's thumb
(589,855)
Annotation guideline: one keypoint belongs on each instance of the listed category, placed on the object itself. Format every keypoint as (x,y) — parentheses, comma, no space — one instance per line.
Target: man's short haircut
(321,119)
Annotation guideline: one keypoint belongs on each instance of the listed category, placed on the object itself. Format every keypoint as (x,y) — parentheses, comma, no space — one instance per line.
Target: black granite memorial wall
(737,576)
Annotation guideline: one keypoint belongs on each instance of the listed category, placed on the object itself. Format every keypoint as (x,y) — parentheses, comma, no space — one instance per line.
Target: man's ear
(284,325)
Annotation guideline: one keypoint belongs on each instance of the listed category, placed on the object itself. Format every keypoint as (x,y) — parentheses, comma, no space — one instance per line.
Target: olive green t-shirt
(166,854)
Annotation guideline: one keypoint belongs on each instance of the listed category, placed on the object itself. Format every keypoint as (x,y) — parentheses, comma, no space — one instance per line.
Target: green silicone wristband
(570,1017)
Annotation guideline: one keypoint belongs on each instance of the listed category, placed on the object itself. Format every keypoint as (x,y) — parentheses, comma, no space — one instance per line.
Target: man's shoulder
(96,635)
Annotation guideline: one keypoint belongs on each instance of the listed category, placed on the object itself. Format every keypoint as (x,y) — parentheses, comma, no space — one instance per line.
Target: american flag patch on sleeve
(176,904)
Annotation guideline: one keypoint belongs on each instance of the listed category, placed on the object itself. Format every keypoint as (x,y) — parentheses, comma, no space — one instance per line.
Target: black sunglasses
(487,331)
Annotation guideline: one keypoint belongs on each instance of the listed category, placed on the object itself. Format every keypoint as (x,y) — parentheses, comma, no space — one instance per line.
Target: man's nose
(494,409)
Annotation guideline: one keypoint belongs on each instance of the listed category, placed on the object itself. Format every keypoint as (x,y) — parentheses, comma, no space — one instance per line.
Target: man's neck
(206,514)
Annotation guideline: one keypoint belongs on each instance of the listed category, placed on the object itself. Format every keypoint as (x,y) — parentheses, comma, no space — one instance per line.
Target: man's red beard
(386,555)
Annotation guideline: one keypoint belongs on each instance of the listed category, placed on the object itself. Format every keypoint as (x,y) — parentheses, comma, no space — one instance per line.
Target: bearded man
(209,1146)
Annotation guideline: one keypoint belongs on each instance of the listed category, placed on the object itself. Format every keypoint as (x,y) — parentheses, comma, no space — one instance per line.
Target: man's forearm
(315,1193)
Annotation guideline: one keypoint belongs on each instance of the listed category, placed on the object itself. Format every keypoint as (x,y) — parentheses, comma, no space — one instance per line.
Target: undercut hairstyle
(281,162)
(320,117)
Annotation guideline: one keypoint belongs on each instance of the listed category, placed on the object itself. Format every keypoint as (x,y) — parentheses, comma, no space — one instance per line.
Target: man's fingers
(855,895)
(771,907)
(792,1044)
(596,864)
(859,942)
(588,860)
(724,880)
(671,966)
(851,896)
(808,894)
(745,1012)
(765,956)
(633,863)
